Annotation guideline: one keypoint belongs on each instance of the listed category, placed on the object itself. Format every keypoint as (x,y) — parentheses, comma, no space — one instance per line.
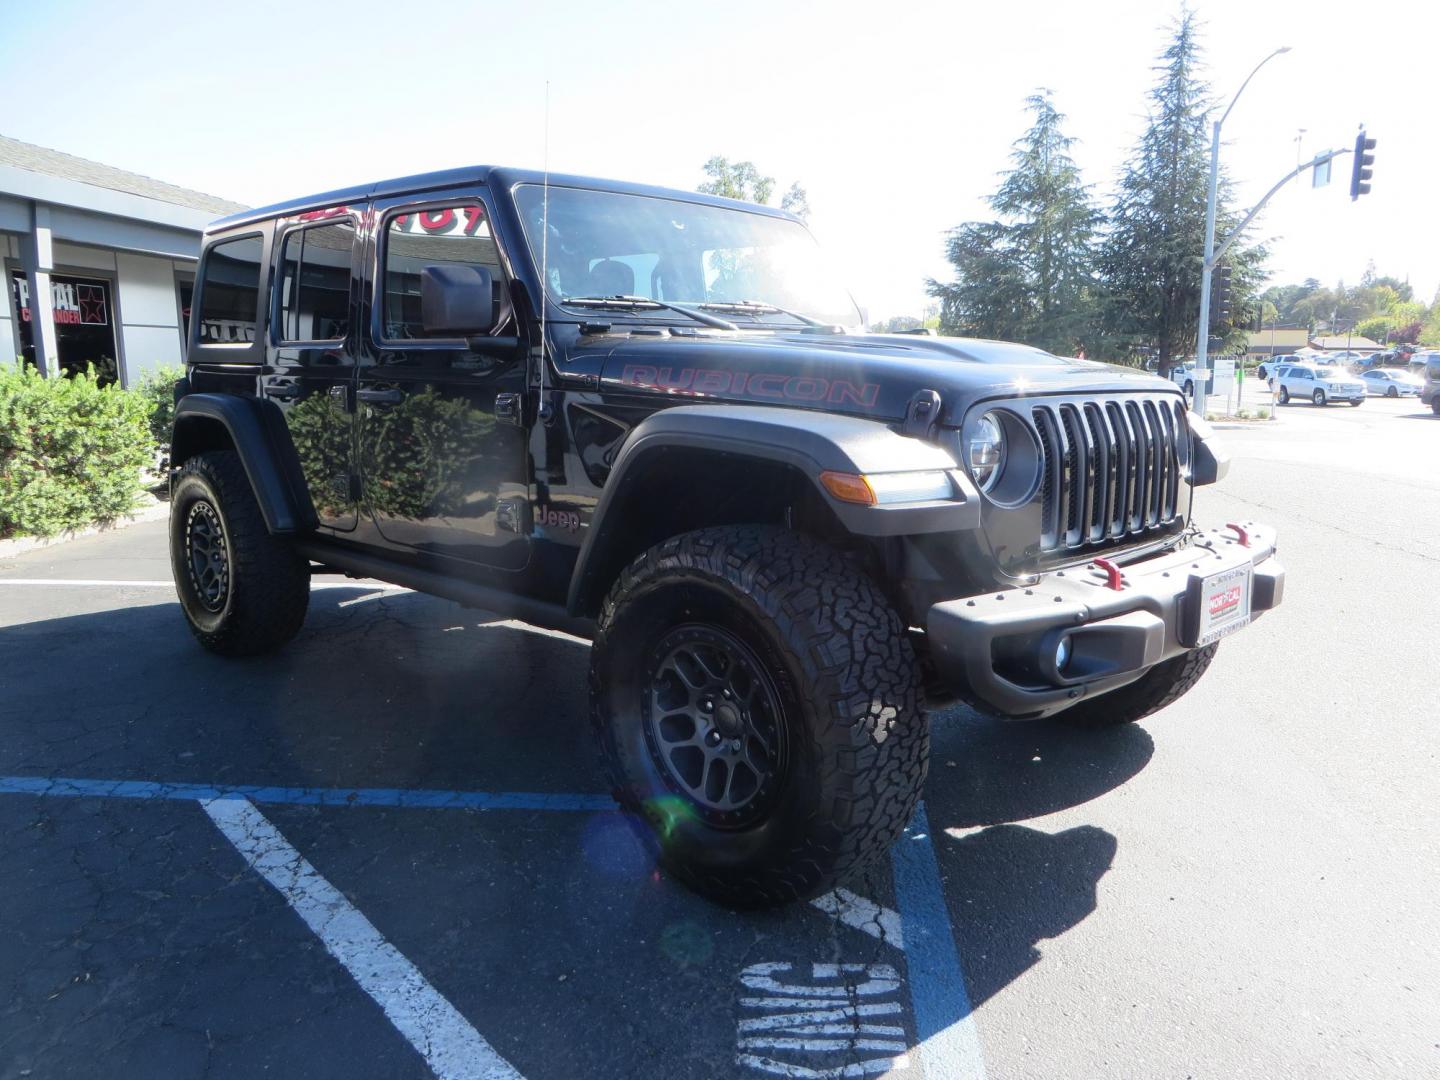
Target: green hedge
(71,453)
(157,387)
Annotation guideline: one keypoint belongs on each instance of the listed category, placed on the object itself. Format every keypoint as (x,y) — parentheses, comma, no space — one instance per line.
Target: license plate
(1224,604)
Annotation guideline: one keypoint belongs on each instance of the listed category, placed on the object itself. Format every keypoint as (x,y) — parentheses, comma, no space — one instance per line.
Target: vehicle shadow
(1009,887)
(404,690)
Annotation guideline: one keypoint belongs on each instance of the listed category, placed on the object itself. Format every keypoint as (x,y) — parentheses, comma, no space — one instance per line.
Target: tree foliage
(1030,275)
(742,180)
(1152,254)
(737,180)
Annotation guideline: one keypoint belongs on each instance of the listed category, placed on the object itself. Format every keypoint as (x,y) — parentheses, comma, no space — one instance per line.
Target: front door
(442,449)
(312,344)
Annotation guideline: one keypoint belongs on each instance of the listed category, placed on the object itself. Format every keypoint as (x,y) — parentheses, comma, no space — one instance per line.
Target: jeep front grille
(1110,468)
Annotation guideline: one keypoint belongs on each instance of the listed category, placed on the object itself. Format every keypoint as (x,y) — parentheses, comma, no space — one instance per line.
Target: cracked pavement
(1242,886)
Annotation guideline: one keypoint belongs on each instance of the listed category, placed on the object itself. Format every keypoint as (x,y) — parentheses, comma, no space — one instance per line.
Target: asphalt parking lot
(387,851)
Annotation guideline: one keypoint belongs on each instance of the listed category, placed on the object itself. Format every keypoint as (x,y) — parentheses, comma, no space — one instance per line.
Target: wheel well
(197,435)
(677,491)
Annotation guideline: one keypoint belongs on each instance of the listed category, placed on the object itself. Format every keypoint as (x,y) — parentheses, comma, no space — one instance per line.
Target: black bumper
(998,649)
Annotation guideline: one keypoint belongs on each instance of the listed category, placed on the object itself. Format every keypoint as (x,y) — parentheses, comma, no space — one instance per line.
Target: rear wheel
(758,705)
(1318,397)
(1162,685)
(243,591)
(1435,404)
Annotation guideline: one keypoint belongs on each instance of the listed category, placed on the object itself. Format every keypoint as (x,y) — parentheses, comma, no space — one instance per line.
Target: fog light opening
(1062,654)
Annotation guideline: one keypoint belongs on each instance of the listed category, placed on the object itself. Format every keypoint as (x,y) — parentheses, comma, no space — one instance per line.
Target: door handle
(283,391)
(392,396)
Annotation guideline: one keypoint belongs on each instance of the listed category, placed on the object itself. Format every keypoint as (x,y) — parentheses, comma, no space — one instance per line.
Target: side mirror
(457,301)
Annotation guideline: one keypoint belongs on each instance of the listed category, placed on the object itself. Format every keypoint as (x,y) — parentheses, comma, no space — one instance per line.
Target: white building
(99,263)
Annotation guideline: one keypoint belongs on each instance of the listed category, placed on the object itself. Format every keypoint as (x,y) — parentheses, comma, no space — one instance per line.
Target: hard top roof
(498,177)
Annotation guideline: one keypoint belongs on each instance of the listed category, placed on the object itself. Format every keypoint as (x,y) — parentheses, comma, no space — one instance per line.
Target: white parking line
(373,586)
(864,915)
(450,1046)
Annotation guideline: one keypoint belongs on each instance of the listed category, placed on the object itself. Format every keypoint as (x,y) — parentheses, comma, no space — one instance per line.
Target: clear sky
(895,116)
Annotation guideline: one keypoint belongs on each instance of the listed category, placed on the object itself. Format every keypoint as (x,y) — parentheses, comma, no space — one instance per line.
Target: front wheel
(1435,404)
(1162,685)
(1318,397)
(1392,392)
(1284,396)
(243,591)
(758,705)
(1355,403)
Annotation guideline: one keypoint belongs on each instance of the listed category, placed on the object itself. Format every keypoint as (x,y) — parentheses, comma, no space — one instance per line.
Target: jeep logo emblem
(551,518)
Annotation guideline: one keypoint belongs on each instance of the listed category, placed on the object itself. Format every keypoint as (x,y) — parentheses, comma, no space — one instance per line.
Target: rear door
(311,373)
(442,448)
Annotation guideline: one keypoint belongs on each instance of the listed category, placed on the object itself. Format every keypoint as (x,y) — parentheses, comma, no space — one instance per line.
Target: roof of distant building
(41,159)
(1340,342)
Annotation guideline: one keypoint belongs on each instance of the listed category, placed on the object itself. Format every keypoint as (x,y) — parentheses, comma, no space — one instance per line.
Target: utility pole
(1202,342)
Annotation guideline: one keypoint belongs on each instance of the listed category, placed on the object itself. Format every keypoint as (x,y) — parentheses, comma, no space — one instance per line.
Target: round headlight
(985,451)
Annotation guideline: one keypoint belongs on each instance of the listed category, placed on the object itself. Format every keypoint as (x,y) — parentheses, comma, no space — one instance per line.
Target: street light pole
(1202,340)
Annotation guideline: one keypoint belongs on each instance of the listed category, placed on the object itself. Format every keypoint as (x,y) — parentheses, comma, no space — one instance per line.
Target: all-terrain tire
(1162,685)
(848,690)
(256,600)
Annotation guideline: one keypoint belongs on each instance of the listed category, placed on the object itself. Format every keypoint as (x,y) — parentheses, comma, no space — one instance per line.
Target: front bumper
(998,649)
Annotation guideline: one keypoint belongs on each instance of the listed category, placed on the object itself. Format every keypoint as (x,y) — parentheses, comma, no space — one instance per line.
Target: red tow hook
(1114,579)
(1241,533)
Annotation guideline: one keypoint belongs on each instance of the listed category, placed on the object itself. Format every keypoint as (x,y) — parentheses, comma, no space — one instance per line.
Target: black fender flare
(1210,461)
(256,430)
(810,442)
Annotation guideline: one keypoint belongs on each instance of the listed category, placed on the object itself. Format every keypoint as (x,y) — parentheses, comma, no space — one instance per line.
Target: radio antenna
(545,259)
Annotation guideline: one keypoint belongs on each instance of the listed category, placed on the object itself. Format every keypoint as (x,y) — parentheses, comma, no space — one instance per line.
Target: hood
(872,375)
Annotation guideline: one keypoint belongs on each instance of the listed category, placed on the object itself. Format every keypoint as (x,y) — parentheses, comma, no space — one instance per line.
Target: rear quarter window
(230,292)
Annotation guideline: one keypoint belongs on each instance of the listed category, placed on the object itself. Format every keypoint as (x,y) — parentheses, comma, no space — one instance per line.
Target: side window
(230,292)
(314,296)
(458,234)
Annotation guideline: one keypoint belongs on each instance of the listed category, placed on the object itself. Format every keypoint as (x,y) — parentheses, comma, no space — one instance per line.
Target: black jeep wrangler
(649,417)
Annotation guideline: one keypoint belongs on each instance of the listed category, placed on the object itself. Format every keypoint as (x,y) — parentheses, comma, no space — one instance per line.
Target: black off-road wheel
(759,707)
(1164,684)
(243,591)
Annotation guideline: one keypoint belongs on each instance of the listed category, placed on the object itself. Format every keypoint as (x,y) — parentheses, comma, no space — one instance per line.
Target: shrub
(157,387)
(70,451)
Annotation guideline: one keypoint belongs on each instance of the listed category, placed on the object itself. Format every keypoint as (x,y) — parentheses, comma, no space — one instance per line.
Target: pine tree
(1029,276)
(1154,249)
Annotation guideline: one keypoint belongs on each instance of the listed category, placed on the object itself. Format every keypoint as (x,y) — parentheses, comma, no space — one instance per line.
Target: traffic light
(1220,298)
(1361,172)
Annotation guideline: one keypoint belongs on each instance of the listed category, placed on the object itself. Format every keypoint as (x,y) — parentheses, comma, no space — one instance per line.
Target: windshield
(606,243)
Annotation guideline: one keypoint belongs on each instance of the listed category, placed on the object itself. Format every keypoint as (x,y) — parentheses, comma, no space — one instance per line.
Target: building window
(84,323)
(230,292)
(430,237)
(314,296)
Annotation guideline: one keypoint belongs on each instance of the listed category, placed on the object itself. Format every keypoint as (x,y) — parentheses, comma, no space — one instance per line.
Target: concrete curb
(156,511)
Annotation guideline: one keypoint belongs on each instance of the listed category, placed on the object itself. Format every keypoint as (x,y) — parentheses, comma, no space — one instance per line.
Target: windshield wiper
(621,301)
(757,307)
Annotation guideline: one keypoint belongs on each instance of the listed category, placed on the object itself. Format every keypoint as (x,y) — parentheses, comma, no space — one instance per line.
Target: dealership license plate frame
(1220,603)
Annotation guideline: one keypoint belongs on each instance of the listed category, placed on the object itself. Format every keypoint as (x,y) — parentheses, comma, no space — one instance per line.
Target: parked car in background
(1430,388)
(1320,384)
(1266,367)
(1186,375)
(1388,382)
(1420,361)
